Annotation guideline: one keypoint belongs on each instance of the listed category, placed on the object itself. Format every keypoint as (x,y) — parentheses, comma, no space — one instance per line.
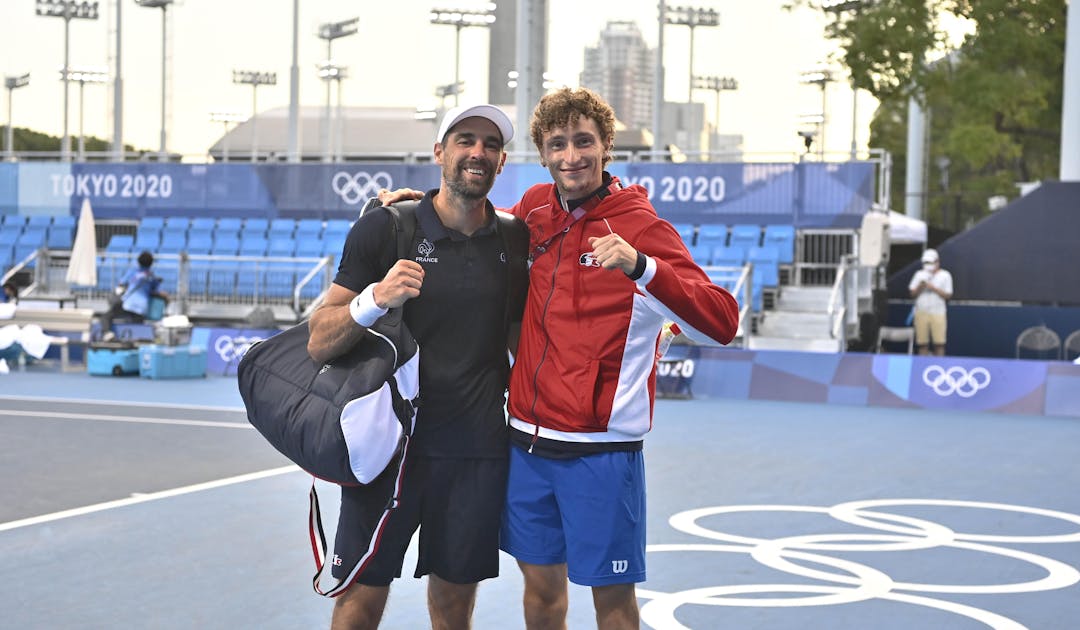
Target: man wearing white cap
(931,286)
(461,290)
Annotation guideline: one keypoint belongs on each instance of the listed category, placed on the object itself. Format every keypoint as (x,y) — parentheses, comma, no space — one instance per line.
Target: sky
(397,59)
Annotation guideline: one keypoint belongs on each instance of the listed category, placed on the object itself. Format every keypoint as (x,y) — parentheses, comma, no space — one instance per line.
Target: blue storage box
(157,361)
(119,359)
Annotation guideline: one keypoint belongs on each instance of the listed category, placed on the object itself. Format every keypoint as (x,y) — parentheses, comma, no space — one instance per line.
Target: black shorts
(456,503)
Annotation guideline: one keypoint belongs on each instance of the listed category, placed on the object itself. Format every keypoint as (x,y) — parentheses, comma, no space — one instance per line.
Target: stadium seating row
(709,236)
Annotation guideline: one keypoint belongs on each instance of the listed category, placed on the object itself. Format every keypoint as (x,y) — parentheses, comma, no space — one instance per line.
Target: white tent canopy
(905,230)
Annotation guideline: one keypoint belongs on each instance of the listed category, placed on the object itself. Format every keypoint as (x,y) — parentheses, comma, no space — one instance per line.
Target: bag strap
(403,228)
(515,238)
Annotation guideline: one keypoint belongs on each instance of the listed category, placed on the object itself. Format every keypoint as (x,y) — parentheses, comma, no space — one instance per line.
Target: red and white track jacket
(585,369)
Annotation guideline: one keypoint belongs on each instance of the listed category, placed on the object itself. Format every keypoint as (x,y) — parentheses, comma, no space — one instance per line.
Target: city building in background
(620,68)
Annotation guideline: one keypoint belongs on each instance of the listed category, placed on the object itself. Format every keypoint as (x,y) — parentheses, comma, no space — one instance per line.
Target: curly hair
(565,107)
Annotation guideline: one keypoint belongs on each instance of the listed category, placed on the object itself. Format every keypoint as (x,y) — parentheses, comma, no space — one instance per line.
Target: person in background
(132,296)
(456,302)
(931,287)
(10,292)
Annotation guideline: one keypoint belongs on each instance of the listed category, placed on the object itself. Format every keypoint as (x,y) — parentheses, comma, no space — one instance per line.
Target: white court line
(143,498)
(120,403)
(58,415)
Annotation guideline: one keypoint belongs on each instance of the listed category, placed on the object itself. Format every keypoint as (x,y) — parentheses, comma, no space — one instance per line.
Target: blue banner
(806,194)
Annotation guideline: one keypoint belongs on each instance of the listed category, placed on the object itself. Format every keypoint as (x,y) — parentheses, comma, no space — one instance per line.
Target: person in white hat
(455,298)
(931,287)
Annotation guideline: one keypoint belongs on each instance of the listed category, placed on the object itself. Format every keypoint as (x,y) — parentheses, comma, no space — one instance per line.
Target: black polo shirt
(458,321)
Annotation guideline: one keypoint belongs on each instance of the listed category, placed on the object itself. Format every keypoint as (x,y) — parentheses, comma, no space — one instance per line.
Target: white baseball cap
(490,112)
(930,256)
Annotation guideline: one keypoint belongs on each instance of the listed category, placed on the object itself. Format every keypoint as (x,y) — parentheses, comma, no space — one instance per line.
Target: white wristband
(363,308)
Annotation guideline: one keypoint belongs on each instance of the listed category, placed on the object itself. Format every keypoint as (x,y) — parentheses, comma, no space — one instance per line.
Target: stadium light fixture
(82,76)
(225,118)
(331,71)
(331,31)
(459,19)
(68,10)
(819,76)
(717,85)
(12,83)
(163,5)
(254,79)
(691,17)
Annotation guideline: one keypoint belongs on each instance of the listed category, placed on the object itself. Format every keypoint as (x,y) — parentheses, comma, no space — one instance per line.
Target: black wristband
(639,268)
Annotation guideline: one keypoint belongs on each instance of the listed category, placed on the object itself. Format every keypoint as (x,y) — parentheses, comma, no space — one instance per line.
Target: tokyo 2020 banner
(804,194)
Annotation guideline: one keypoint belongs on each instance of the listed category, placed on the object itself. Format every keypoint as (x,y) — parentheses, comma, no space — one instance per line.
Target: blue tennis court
(169,511)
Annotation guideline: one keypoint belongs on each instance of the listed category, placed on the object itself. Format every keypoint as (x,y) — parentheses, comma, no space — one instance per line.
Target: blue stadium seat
(199,242)
(745,235)
(39,221)
(255,225)
(64,220)
(308,228)
(177,223)
(712,234)
(338,225)
(281,247)
(120,243)
(230,224)
(702,254)
(253,245)
(766,267)
(221,278)
(782,237)
(200,234)
(60,237)
(279,279)
(147,238)
(152,223)
(203,223)
(686,232)
(728,256)
(281,228)
(225,244)
(172,242)
(308,248)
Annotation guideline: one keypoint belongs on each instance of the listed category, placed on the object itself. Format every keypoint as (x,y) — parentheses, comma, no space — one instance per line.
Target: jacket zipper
(547,341)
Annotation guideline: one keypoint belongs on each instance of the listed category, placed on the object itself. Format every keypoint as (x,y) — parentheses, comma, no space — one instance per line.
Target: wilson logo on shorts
(619,566)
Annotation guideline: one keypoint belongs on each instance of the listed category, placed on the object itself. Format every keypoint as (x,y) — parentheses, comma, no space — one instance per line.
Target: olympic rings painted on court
(846,581)
(955,380)
(355,188)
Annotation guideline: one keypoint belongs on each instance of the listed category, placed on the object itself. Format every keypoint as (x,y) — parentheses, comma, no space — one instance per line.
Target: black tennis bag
(344,421)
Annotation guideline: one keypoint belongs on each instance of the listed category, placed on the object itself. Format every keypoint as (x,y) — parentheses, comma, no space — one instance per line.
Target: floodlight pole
(459,19)
(163,5)
(68,10)
(254,79)
(293,150)
(331,31)
(692,18)
(12,84)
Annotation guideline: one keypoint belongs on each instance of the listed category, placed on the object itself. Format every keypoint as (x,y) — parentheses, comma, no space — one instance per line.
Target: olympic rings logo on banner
(827,580)
(355,188)
(955,380)
(232,348)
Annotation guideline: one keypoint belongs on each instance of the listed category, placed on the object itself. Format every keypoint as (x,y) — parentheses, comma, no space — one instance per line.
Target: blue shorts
(587,512)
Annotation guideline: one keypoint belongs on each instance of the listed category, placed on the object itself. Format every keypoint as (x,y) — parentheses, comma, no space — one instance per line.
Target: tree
(994,101)
(30,141)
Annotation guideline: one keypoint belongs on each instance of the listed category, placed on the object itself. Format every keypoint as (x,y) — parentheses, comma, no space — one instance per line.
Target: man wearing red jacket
(607,274)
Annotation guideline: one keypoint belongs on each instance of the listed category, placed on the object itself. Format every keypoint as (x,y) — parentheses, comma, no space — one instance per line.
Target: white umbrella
(82,269)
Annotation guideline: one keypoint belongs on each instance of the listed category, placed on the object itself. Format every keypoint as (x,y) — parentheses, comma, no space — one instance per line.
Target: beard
(467,189)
